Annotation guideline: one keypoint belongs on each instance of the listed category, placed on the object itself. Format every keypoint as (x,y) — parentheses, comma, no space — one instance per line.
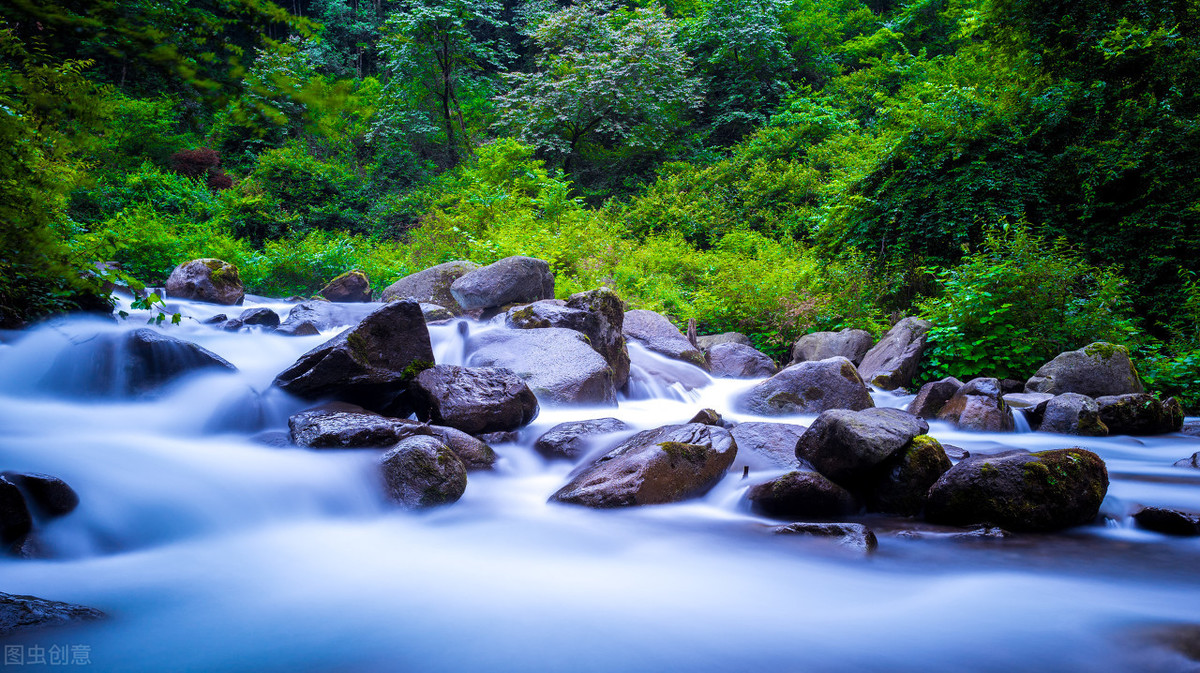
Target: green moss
(222,273)
(524,319)
(414,368)
(1104,350)
(693,453)
(359,348)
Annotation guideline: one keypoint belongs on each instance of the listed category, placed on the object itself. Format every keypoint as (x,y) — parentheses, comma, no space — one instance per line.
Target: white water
(211,552)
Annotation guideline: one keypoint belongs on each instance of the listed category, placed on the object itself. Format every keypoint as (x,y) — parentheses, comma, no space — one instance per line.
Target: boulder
(801,494)
(512,280)
(1140,414)
(851,344)
(473,399)
(767,445)
(1168,521)
(809,388)
(422,472)
(27,613)
(15,520)
(575,439)
(709,417)
(1194,461)
(234,325)
(261,316)
(847,446)
(707,341)
(658,334)
(506,437)
(371,364)
(474,453)
(892,363)
(853,536)
(558,364)
(933,396)
(1070,414)
(1026,400)
(431,286)
(978,406)
(45,494)
(315,316)
(736,361)
(667,464)
(345,426)
(901,483)
(435,313)
(597,314)
(209,280)
(349,288)
(298,329)
(1021,491)
(1096,370)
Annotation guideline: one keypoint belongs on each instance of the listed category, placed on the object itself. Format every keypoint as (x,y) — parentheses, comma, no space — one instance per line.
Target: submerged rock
(313,317)
(767,445)
(847,446)
(1194,461)
(512,280)
(261,316)
(574,439)
(47,495)
(735,361)
(892,363)
(851,344)
(431,286)
(1168,521)
(978,406)
(1095,370)
(422,472)
(474,399)
(801,494)
(854,536)
(1140,414)
(558,364)
(349,288)
(209,280)
(15,520)
(27,613)
(657,333)
(346,426)
(809,388)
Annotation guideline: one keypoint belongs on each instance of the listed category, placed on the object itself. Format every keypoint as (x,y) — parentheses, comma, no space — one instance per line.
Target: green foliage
(303,264)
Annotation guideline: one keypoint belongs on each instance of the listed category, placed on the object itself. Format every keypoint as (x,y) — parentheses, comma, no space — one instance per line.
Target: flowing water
(211,551)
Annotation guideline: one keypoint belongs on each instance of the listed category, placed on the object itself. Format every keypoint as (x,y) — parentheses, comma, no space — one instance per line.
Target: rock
(474,453)
(1095,370)
(1011,387)
(215,320)
(435,313)
(933,396)
(261,316)
(893,362)
(127,363)
(735,361)
(26,613)
(233,325)
(955,452)
(902,481)
(473,399)
(1168,521)
(767,445)
(323,315)
(851,344)
(1069,414)
(978,406)
(431,286)
(511,280)
(598,315)
(847,446)
(801,494)
(345,426)
(1140,414)
(1194,461)
(508,437)
(656,333)
(1021,491)
(667,464)
(809,388)
(1026,400)
(708,417)
(422,472)
(45,494)
(15,520)
(209,280)
(1191,428)
(851,535)
(298,329)
(558,364)
(575,439)
(349,288)
(275,439)
(707,341)
(371,364)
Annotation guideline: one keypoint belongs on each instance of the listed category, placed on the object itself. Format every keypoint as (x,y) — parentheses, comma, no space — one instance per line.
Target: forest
(1024,174)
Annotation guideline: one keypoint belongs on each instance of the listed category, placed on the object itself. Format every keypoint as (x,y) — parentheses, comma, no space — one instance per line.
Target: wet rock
(1140,414)
(1011,387)
(892,363)
(667,464)
(847,446)
(1095,370)
(1070,414)
(45,494)
(1194,461)
(473,452)
(275,439)
(312,317)
(27,613)
(435,313)
(558,364)
(735,361)
(215,320)
(261,316)
(1168,521)
(209,280)
(1026,400)
(431,286)
(349,288)
(955,452)
(801,494)
(512,280)
(473,399)
(422,472)
(767,445)
(598,315)
(298,329)
(15,520)
(1191,428)
(1021,491)
(933,396)
(978,406)
(657,333)
(707,341)
(507,437)
(371,364)
(851,344)
(232,325)
(345,426)
(902,482)
(850,535)
(809,388)
(708,417)
(574,439)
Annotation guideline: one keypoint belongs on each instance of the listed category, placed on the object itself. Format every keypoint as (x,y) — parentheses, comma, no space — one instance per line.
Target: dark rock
(298,329)
(1168,521)
(233,325)
(512,280)
(809,388)
(1070,414)
(707,341)
(508,437)
(767,445)
(851,344)
(320,316)
(558,364)
(1021,491)
(215,320)
(349,288)
(431,286)
(893,362)
(801,494)
(575,439)
(1194,461)
(847,446)
(1140,414)
(668,464)
(735,361)
(473,399)
(422,472)
(45,494)
(1191,428)
(933,396)
(371,364)
(658,334)
(15,521)
(1095,370)
(955,452)
(851,535)
(435,313)
(708,417)
(345,426)
(978,406)
(1011,386)
(261,316)
(598,315)
(902,481)
(209,280)
(474,453)
(27,613)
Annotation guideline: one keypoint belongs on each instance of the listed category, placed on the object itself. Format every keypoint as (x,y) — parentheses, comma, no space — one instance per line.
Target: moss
(1103,350)
(359,348)
(414,368)
(524,319)
(693,453)
(222,273)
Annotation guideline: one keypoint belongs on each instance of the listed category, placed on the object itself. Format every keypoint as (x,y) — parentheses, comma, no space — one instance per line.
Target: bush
(302,265)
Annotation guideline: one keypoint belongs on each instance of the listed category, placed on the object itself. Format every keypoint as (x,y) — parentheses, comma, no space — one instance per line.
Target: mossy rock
(422,472)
